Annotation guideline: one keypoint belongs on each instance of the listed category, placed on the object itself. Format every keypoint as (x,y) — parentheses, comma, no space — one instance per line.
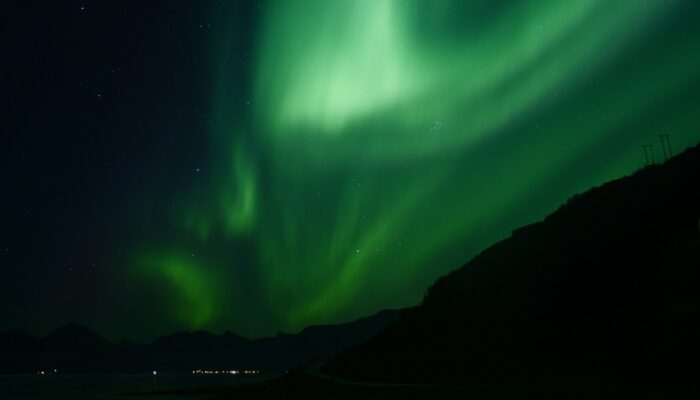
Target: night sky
(260,166)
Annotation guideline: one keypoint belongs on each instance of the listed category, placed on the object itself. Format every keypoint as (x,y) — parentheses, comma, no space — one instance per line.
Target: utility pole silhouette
(666,142)
(663,147)
(649,154)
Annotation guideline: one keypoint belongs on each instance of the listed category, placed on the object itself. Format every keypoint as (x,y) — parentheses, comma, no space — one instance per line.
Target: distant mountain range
(606,286)
(75,348)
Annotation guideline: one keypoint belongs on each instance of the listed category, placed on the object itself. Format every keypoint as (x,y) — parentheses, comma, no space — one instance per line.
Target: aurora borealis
(345,154)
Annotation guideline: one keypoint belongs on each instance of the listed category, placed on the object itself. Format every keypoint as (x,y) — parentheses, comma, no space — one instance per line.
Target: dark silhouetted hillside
(74,348)
(15,348)
(182,351)
(608,285)
(71,347)
(74,338)
(12,341)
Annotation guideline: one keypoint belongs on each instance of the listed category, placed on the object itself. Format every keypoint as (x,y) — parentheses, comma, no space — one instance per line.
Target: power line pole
(663,147)
(666,143)
(649,154)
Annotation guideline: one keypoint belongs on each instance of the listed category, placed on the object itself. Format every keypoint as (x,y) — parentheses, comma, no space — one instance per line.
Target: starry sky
(261,166)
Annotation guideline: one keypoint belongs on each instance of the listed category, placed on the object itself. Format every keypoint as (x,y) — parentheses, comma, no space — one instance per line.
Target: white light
(155,373)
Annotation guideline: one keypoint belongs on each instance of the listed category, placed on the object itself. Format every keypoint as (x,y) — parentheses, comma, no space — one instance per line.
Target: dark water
(107,387)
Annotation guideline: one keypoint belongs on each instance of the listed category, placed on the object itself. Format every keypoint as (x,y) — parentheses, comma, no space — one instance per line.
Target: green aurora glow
(379,144)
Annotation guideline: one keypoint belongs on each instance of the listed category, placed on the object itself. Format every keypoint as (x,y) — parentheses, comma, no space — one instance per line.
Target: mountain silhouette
(75,338)
(75,348)
(14,341)
(70,347)
(183,350)
(606,286)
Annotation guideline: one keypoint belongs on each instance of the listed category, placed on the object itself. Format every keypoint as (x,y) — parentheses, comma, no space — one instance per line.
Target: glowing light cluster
(225,372)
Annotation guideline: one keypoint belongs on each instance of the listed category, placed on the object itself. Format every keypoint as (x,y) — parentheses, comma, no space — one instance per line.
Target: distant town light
(224,372)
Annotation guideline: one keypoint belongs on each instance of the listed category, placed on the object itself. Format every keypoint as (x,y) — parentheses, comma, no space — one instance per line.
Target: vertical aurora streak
(378,144)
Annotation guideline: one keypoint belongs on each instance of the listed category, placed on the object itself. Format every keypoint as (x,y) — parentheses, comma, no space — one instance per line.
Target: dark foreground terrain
(300,384)
(607,286)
